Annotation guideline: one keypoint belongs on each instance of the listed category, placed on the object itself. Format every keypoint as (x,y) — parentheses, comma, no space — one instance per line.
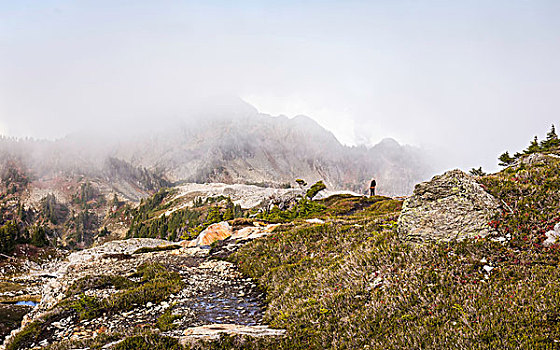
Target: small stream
(27,303)
(217,308)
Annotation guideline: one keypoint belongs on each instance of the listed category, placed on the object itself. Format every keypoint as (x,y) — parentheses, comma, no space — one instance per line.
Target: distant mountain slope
(259,149)
(230,145)
(56,160)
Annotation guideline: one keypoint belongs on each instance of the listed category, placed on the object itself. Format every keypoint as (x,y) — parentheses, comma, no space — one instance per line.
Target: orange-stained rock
(253,232)
(213,233)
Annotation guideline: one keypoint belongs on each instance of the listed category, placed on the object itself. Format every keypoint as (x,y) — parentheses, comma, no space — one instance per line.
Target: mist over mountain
(229,143)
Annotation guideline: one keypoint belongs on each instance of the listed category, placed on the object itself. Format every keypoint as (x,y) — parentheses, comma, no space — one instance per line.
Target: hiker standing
(372,187)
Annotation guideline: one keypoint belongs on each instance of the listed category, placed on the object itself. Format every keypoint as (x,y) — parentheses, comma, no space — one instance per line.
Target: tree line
(551,143)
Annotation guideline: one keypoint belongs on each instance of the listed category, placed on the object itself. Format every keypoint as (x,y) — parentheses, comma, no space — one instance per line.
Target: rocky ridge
(246,196)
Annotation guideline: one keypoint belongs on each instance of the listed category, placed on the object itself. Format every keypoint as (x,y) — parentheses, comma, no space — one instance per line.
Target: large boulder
(452,206)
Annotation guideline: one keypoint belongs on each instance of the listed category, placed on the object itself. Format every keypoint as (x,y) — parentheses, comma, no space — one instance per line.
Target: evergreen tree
(477,172)
(115,202)
(505,159)
(104,232)
(551,141)
(8,236)
(20,211)
(198,202)
(39,237)
(534,147)
(214,216)
(172,236)
(228,214)
(237,211)
(48,207)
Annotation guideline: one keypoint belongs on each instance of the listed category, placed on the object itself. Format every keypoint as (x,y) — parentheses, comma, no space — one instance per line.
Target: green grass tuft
(165,321)
(98,282)
(26,337)
(149,341)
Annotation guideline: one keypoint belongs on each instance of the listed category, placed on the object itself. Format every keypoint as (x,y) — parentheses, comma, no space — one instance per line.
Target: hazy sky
(469,79)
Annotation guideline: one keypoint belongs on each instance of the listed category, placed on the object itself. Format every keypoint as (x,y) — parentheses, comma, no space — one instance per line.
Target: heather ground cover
(353,283)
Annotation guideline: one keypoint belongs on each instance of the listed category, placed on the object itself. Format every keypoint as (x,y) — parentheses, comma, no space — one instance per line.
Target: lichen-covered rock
(535,158)
(448,207)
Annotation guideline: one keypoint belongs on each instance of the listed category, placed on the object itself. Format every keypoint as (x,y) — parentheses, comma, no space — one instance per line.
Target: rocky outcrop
(448,207)
(247,196)
(241,235)
(113,248)
(106,258)
(535,158)
(214,331)
(226,238)
(213,292)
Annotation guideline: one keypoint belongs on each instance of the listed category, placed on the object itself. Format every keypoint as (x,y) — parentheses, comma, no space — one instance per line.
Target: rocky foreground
(213,297)
(465,263)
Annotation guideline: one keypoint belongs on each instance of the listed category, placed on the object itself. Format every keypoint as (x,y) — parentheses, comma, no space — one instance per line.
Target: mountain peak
(389,142)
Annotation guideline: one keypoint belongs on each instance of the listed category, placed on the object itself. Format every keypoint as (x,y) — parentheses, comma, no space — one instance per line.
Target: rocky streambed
(20,291)
(83,296)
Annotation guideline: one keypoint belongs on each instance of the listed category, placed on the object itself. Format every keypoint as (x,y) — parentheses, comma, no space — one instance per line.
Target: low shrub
(165,321)
(87,307)
(27,337)
(98,282)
